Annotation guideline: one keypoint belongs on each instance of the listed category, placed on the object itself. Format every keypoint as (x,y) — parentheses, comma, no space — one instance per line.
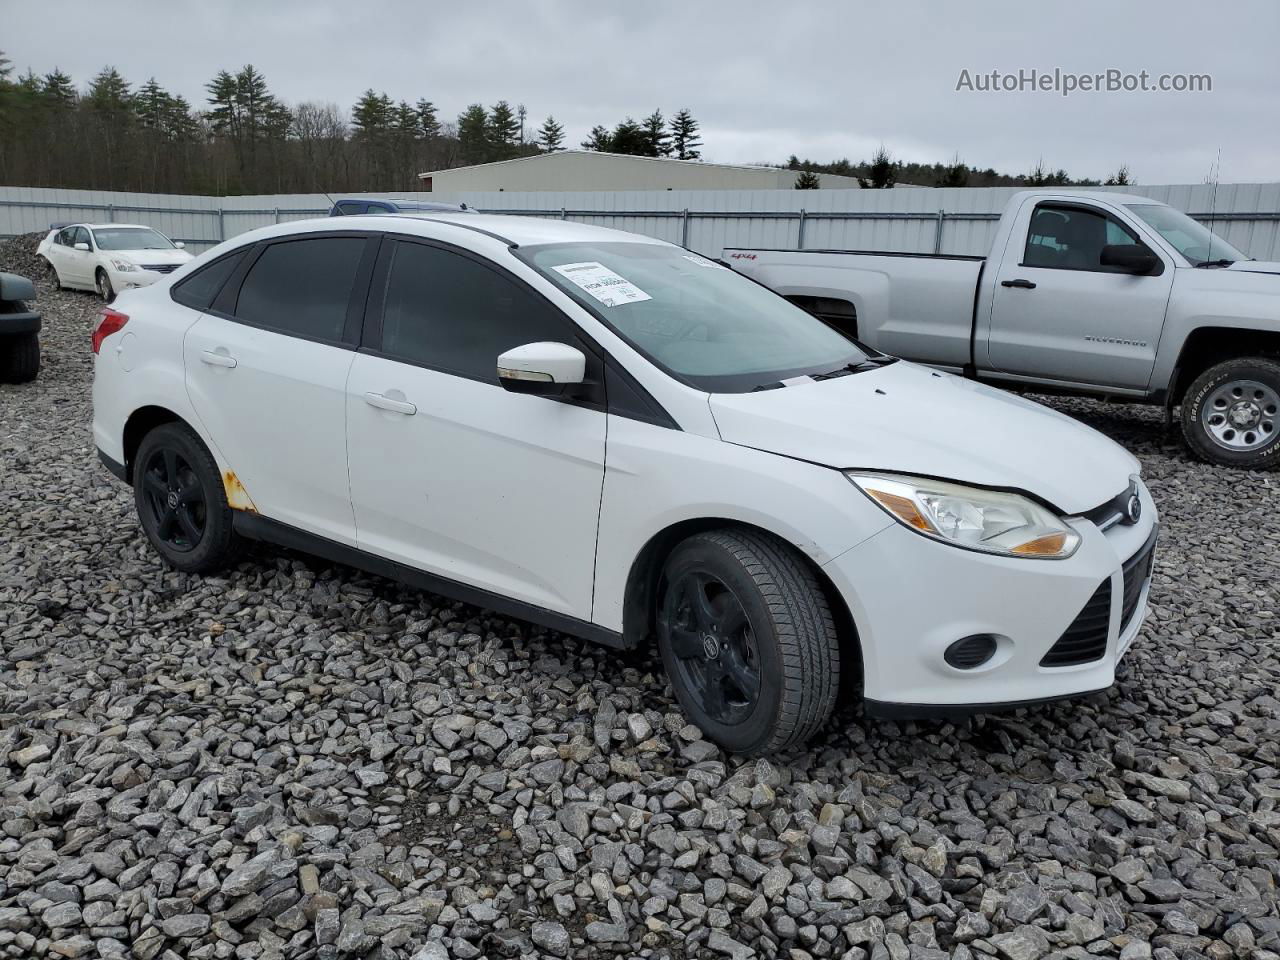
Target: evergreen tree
(371,117)
(1120,178)
(58,89)
(880,173)
(684,136)
(473,133)
(629,137)
(407,122)
(807,180)
(152,104)
(427,122)
(108,92)
(504,128)
(955,174)
(655,129)
(599,139)
(551,135)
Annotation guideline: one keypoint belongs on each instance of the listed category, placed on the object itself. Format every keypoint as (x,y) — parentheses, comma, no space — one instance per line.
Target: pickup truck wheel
(1231,414)
(19,358)
(748,640)
(177,489)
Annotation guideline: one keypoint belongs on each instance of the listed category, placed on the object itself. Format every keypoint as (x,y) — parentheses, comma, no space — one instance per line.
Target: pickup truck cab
(19,330)
(1104,294)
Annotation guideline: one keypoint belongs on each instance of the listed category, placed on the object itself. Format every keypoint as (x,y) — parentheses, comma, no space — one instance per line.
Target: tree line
(244,139)
(113,135)
(883,171)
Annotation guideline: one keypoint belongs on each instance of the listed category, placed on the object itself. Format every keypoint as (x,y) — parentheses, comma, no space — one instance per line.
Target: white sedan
(622,440)
(109,257)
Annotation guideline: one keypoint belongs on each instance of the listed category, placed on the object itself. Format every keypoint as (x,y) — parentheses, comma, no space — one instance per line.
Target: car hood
(149,256)
(904,418)
(1255,266)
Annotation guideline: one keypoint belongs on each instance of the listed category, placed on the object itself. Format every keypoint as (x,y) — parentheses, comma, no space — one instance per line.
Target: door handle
(1019,283)
(217,358)
(387,403)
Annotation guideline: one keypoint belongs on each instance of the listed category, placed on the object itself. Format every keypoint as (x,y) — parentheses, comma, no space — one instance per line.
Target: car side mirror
(1129,257)
(82,245)
(179,244)
(543,369)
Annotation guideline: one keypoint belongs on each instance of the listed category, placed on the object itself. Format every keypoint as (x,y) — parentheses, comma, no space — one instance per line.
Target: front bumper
(912,597)
(130,279)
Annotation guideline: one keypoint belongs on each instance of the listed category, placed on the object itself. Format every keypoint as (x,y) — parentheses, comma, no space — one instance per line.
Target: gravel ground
(298,760)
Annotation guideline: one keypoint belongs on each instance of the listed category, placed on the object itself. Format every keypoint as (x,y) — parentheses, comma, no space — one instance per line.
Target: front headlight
(969,517)
(124,266)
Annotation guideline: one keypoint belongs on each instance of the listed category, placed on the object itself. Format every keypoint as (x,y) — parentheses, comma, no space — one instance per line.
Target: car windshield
(130,238)
(697,320)
(1193,240)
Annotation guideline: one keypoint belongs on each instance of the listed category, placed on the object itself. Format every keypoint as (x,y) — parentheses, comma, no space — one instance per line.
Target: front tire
(1231,414)
(181,503)
(103,283)
(748,640)
(19,358)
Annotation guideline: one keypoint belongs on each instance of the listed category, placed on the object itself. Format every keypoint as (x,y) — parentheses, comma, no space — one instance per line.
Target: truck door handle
(218,358)
(1020,283)
(386,403)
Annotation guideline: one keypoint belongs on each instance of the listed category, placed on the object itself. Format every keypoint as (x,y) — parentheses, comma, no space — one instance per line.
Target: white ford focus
(109,257)
(620,439)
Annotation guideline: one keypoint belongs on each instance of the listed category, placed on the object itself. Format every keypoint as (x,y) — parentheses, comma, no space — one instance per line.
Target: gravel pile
(298,760)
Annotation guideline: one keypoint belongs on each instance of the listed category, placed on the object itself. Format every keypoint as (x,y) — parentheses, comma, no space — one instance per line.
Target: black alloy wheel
(176,500)
(714,645)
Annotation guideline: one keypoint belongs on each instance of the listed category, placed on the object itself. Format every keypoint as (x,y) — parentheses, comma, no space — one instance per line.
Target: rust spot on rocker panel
(237,496)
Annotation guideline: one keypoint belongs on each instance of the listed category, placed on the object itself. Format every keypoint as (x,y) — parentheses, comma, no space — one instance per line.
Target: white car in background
(109,257)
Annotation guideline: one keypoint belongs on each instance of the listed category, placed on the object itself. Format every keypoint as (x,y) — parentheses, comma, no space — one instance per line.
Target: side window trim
(224,305)
(1106,215)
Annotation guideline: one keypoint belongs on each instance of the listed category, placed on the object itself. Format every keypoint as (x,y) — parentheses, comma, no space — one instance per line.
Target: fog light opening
(969,653)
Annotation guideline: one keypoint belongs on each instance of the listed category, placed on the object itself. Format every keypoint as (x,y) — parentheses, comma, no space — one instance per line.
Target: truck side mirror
(1133,258)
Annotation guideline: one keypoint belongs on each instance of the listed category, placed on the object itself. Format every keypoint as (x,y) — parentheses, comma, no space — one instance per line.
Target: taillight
(112,322)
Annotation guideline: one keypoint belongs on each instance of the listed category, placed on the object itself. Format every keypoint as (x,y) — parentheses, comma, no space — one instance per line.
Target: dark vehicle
(354,206)
(19,330)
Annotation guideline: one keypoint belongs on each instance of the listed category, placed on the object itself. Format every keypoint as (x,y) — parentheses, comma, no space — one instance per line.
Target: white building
(589,170)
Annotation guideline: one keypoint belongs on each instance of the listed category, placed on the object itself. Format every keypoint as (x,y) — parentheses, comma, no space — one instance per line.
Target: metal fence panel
(911,219)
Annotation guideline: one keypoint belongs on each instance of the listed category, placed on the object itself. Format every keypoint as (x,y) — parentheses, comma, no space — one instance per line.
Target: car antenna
(1213,205)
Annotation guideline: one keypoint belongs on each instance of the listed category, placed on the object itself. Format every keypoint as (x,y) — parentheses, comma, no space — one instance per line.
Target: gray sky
(821,79)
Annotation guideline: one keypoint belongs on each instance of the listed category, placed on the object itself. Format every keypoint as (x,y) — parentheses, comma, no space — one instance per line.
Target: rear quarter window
(199,290)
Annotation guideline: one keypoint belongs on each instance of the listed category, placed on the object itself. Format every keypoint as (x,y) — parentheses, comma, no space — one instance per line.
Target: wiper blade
(871,363)
(1215,263)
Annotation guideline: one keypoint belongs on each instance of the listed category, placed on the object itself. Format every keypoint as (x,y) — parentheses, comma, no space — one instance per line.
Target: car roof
(114,226)
(510,230)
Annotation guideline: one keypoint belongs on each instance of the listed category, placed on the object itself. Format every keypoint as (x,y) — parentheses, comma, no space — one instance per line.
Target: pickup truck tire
(1231,414)
(19,358)
(181,503)
(748,640)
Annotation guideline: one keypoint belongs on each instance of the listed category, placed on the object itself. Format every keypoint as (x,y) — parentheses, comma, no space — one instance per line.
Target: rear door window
(302,287)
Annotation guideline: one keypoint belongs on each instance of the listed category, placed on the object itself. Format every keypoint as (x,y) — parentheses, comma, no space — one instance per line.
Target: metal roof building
(590,170)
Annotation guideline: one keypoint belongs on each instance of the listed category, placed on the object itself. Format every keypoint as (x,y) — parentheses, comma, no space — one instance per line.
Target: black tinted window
(302,286)
(199,289)
(348,209)
(1071,238)
(450,312)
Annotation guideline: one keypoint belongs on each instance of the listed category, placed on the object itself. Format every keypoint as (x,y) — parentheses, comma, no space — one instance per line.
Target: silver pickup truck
(1101,293)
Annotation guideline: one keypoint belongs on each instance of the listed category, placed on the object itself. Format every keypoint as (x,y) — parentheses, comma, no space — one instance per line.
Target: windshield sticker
(703,261)
(602,283)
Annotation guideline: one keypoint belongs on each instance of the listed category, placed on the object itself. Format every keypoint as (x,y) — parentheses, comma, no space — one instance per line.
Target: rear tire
(181,503)
(19,358)
(1231,414)
(748,640)
(51,275)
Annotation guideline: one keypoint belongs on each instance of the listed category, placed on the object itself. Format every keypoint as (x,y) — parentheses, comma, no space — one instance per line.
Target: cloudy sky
(765,79)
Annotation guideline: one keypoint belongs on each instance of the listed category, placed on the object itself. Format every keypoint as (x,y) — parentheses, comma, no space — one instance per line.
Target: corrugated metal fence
(912,219)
